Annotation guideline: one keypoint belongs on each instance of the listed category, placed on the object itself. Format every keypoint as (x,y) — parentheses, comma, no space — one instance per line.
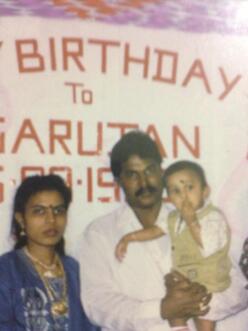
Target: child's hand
(121,249)
(188,212)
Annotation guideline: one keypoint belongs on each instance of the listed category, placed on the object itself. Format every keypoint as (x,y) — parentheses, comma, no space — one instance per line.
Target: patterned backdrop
(225,16)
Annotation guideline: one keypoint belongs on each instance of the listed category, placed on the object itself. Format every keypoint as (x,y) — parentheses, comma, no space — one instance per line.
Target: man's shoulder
(104,222)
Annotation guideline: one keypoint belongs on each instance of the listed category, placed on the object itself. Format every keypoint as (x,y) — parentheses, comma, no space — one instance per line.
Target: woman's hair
(29,187)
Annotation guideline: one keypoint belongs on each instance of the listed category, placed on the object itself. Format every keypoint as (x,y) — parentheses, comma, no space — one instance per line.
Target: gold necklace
(58,307)
(43,265)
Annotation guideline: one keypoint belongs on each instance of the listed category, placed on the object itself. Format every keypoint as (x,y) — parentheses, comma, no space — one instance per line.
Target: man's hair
(29,187)
(185,165)
(133,143)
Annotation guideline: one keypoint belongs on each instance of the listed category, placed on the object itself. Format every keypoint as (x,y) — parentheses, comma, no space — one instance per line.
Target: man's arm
(107,306)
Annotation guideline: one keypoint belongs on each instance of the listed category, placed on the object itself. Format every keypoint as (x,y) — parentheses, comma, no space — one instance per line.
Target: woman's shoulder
(8,258)
(9,266)
(71,267)
(70,263)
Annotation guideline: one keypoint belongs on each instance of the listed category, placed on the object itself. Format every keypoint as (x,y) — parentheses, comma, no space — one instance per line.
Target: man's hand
(184,299)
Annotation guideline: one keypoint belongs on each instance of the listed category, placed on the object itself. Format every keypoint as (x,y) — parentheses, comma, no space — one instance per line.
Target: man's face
(141,180)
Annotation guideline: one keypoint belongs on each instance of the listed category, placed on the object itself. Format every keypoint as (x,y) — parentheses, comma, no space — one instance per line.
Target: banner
(70,89)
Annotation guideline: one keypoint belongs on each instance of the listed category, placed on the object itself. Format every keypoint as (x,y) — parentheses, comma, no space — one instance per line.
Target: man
(131,296)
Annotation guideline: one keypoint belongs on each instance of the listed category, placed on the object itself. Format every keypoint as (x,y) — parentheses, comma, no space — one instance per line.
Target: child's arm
(150,233)
(189,215)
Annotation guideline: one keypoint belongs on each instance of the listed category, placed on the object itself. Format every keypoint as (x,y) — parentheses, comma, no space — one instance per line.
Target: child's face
(185,184)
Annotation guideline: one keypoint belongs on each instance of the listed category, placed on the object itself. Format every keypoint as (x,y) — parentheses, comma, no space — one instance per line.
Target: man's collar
(128,216)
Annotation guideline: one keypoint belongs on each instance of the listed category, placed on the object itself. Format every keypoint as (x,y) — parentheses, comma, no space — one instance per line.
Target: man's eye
(131,175)
(61,210)
(151,170)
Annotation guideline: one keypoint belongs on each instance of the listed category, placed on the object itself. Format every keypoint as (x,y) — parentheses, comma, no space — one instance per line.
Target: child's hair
(185,165)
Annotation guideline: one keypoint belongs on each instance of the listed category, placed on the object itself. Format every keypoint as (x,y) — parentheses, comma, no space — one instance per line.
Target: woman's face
(44,218)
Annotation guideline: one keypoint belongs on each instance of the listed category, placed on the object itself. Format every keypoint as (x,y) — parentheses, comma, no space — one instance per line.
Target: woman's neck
(43,254)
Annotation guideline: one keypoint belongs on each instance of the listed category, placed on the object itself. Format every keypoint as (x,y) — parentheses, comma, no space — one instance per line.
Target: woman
(244,260)
(39,284)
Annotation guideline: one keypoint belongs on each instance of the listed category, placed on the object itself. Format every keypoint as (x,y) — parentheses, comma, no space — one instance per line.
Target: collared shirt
(123,296)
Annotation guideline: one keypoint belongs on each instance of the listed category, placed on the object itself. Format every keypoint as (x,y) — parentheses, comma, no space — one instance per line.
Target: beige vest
(212,271)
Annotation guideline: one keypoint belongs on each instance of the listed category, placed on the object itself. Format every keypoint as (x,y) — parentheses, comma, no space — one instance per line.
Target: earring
(22,233)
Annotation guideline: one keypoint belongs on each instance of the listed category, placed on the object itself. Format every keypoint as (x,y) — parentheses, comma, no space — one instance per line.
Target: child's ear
(206,192)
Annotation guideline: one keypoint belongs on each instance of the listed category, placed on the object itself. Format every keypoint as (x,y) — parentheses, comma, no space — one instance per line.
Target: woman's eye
(39,211)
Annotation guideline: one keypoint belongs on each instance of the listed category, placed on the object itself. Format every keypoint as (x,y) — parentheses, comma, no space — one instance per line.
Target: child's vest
(212,271)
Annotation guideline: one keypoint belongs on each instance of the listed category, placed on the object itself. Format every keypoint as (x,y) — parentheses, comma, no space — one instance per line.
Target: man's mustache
(147,189)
